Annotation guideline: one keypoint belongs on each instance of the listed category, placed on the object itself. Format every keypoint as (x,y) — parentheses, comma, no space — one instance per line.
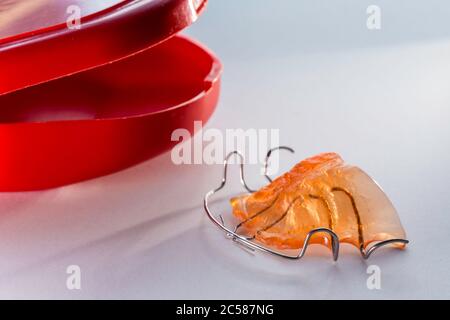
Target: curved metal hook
(334,241)
(241,171)
(269,154)
(366,254)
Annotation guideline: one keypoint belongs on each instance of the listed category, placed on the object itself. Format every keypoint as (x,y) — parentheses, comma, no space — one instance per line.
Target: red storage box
(78,103)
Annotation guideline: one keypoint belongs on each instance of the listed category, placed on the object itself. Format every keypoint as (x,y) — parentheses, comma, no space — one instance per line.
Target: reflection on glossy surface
(318,192)
(23,16)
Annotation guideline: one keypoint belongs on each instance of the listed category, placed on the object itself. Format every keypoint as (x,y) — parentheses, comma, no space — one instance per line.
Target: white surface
(313,70)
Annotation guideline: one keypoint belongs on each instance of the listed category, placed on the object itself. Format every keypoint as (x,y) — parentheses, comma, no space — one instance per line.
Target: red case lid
(36,44)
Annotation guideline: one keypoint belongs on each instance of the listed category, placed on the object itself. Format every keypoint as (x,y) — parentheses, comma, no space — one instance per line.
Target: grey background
(312,69)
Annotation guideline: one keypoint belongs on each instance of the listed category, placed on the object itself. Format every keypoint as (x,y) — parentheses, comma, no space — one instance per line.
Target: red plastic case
(78,104)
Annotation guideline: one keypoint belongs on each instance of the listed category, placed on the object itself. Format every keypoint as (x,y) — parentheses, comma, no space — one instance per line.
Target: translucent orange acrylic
(319,192)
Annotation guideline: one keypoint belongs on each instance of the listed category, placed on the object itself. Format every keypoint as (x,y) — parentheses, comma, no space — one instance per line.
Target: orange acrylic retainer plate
(81,103)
